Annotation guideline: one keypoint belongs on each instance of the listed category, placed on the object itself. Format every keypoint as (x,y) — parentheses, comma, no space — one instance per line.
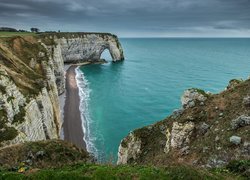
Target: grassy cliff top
(56,159)
(44,34)
(11,34)
(216,120)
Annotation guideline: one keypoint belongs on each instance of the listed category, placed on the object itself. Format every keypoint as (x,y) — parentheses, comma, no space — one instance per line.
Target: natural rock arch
(89,47)
(105,54)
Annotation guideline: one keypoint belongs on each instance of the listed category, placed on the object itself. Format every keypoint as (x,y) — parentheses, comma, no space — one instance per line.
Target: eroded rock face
(179,137)
(89,47)
(129,149)
(30,82)
(190,97)
(241,121)
(180,134)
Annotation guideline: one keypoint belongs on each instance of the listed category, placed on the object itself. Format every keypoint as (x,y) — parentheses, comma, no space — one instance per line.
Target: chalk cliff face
(32,78)
(89,47)
(209,130)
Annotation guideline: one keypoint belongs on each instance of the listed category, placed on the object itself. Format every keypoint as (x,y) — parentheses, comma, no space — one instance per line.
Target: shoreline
(72,125)
(72,122)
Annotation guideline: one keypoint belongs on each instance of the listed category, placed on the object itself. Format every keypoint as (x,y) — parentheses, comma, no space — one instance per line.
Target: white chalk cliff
(32,78)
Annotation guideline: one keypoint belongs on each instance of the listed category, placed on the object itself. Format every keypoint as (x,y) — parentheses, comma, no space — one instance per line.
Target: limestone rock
(235,140)
(241,121)
(233,83)
(190,96)
(202,129)
(168,139)
(129,149)
(177,113)
(246,101)
(180,134)
(90,47)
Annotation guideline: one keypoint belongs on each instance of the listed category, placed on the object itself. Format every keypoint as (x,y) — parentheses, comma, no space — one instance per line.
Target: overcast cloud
(131,18)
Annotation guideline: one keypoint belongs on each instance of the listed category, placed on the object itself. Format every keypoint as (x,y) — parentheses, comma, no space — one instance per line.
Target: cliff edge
(209,130)
(32,78)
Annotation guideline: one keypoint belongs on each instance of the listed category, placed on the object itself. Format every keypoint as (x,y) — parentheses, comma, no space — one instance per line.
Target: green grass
(92,171)
(11,34)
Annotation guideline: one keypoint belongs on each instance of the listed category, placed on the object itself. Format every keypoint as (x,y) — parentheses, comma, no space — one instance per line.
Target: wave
(84,94)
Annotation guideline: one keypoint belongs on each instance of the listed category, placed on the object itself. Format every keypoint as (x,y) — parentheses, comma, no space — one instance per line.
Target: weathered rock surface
(207,135)
(129,149)
(180,135)
(191,96)
(89,47)
(241,121)
(32,77)
(235,140)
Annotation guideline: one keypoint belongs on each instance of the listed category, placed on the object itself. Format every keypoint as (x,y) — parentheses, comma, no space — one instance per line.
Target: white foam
(84,94)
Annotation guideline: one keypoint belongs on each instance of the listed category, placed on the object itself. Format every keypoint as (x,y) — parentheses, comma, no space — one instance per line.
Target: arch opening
(106,55)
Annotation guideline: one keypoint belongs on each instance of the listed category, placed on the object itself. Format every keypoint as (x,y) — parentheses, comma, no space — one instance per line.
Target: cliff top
(58,34)
(57,159)
(210,130)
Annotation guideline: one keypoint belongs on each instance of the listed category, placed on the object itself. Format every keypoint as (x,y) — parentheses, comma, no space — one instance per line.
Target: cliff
(209,130)
(55,159)
(32,78)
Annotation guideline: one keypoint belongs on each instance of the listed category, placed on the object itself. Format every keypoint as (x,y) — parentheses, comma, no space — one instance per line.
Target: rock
(168,141)
(129,149)
(74,49)
(202,129)
(241,121)
(233,83)
(191,104)
(235,140)
(180,134)
(149,127)
(246,148)
(190,96)
(41,54)
(205,149)
(215,162)
(246,101)
(221,114)
(40,154)
(217,138)
(162,128)
(177,113)
(184,151)
(30,155)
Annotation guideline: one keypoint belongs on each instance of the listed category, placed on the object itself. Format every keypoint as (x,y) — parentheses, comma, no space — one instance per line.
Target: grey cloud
(126,17)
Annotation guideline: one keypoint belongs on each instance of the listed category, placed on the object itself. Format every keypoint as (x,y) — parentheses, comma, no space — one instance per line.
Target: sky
(131,18)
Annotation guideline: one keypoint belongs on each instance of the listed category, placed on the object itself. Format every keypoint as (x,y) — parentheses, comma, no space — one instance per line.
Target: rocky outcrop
(129,149)
(32,78)
(192,96)
(78,47)
(208,131)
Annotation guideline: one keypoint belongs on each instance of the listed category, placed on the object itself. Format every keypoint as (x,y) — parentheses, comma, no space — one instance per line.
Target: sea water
(117,98)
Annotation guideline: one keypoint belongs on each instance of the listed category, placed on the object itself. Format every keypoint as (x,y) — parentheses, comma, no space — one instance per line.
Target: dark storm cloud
(132,17)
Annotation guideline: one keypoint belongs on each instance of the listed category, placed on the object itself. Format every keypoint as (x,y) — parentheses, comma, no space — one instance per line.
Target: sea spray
(84,94)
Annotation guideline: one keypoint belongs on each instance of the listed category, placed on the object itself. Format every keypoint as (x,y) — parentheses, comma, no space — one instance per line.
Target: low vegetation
(57,159)
(11,34)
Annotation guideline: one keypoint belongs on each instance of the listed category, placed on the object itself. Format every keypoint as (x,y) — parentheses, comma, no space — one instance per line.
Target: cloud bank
(130,18)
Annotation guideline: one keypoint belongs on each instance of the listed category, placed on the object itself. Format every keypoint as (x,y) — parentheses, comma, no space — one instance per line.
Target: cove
(147,86)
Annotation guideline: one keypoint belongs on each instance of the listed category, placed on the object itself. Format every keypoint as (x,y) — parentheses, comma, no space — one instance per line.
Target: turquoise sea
(147,86)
